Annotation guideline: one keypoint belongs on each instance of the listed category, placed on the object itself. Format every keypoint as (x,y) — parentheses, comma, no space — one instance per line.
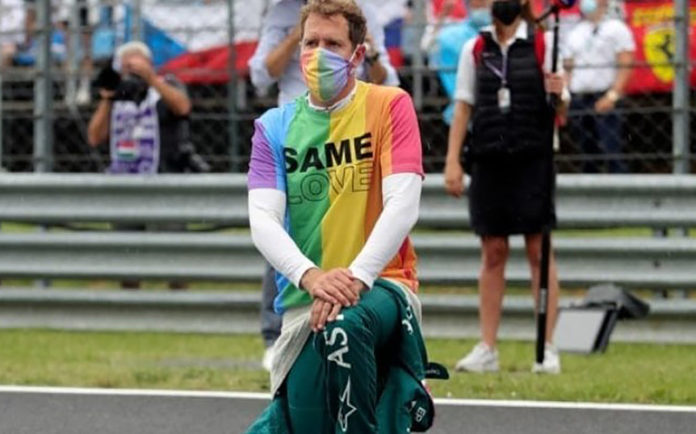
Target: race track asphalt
(103,411)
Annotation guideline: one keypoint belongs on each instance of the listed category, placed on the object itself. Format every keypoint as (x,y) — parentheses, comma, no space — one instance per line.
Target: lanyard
(501,74)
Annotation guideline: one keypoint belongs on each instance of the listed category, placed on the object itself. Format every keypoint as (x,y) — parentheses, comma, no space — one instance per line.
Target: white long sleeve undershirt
(400,200)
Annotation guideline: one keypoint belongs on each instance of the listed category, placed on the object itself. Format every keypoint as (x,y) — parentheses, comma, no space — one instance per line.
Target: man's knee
(344,339)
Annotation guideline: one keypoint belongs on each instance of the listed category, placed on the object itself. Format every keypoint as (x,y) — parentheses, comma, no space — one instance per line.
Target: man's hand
(323,312)
(604,105)
(334,286)
(370,47)
(295,34)
(141,67)
(106,94)
(454,178)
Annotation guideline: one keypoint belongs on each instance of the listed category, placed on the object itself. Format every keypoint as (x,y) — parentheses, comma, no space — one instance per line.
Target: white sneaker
(482,358)
(268,356)
(552,362)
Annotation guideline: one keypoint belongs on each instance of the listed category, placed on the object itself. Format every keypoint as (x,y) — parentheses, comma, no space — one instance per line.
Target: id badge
(504,99)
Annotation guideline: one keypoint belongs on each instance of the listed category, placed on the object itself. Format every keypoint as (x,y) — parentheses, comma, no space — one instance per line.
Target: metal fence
(51,54)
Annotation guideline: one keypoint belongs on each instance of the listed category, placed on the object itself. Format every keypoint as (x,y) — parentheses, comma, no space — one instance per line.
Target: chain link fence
(53,51)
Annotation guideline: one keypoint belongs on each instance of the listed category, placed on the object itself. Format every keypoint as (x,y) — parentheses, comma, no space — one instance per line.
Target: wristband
(613,95)
(370,60)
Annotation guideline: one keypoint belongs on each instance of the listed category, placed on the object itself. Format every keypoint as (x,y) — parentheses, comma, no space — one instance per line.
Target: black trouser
(596,134)
(271,322)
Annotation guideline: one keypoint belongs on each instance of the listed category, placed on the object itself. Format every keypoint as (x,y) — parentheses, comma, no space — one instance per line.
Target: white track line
(266,396)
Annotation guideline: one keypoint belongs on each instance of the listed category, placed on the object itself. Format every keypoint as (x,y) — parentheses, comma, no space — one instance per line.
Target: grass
(635,373)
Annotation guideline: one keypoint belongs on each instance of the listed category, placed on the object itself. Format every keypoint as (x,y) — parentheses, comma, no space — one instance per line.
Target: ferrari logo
(659,52)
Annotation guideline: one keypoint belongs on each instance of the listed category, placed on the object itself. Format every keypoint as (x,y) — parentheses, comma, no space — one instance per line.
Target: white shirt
(466,71)
(593,49)
(11,21)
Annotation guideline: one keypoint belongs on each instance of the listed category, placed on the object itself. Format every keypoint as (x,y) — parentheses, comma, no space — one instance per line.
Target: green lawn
(638,373)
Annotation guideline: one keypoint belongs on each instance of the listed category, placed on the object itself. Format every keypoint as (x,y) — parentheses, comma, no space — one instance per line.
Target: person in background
(277,61)
(144,119)
(449,43)
(440,13)
(598,55)
(80,25)
(26,52)
(12,24)
(350,357)
(503,81)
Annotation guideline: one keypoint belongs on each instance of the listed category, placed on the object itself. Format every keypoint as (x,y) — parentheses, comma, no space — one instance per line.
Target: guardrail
(445,316)
(446,257)
(583,201)
(658,263)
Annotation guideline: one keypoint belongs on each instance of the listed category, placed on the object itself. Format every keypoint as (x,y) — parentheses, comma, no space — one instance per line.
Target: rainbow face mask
(325,73)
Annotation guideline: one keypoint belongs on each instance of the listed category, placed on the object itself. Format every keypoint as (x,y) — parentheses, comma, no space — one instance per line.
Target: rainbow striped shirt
(330,165)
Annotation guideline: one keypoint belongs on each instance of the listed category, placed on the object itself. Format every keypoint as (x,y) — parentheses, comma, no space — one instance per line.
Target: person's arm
(454,173)
(400,203)
(625,47)
(381,71)
(266,215)
(278,59)
(465,98)
(174,97)
(556,83)
(98,129)
(608,101)
(273,35)
(375,70)
(401,163)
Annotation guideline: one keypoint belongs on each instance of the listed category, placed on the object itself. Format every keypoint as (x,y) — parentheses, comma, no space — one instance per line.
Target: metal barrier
(583,201)
(443,259)
(446,257)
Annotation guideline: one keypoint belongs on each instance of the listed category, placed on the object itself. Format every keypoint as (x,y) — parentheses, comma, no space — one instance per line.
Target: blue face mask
(480,17)
(588,7)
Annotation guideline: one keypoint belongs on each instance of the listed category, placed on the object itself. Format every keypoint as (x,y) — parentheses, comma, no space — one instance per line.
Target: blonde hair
(133,47)
(348,9)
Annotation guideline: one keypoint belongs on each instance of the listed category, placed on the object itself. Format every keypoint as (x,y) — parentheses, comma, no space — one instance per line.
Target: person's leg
(271,322)
(350,349)
(83,95)
(583,131)
(533,247)
(306,392)
(494,254)
(590,137)
(609,132)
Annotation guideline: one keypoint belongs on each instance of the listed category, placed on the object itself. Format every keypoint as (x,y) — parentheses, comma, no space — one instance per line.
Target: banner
(652,23)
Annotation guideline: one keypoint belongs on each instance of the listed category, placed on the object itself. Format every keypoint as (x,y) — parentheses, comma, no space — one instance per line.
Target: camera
(131,88)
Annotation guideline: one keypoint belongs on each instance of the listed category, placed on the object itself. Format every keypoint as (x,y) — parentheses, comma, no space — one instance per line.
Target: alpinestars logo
(346,408)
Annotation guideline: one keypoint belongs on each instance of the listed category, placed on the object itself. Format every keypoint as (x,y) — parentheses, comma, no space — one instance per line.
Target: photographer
(143,117)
